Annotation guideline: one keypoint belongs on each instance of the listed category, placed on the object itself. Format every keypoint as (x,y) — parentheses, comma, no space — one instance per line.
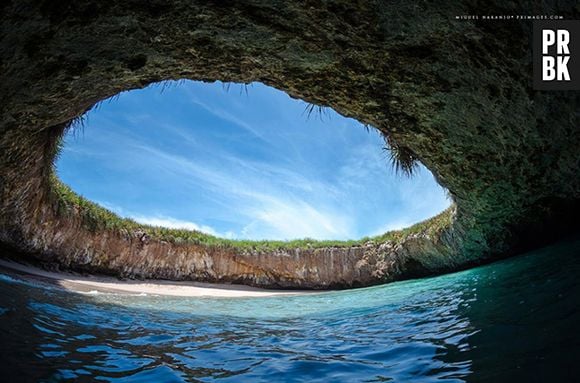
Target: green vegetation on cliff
(96,218)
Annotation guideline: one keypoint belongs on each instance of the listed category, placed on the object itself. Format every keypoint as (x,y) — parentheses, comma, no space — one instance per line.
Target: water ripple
(514,320)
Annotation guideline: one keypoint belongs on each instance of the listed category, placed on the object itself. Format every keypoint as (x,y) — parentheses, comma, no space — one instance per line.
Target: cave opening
(243,162)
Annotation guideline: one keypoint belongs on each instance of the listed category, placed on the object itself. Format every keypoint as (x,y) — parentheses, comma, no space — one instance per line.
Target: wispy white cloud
(271,199)
(278,202)
(227,116)
(287,219)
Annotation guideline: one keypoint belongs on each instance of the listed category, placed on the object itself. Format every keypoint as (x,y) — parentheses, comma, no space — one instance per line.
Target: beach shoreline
(84,284)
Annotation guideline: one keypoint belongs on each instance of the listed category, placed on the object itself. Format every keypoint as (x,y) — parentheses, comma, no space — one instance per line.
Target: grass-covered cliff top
(97,218)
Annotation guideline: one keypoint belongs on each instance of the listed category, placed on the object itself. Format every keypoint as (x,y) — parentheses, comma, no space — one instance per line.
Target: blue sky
(199,156)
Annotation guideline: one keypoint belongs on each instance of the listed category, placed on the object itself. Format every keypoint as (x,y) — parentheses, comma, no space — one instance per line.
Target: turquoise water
(515,320)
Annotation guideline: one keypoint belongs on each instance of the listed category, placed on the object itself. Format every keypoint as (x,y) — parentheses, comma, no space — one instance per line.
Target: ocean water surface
(512,321)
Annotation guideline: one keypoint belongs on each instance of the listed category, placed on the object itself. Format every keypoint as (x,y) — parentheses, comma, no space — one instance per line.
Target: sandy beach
(83,284)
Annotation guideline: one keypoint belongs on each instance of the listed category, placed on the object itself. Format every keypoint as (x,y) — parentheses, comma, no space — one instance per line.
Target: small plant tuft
(320,111)
(402,159)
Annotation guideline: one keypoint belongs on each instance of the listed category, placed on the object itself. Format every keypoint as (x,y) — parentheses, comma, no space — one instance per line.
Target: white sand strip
(79,283)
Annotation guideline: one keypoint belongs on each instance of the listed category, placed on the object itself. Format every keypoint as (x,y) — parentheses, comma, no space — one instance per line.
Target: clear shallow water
(515,320)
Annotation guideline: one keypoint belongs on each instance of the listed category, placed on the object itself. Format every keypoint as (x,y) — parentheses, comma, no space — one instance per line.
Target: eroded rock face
(456,93)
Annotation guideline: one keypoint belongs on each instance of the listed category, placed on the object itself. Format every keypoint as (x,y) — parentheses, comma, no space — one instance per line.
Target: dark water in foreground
(512,321)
